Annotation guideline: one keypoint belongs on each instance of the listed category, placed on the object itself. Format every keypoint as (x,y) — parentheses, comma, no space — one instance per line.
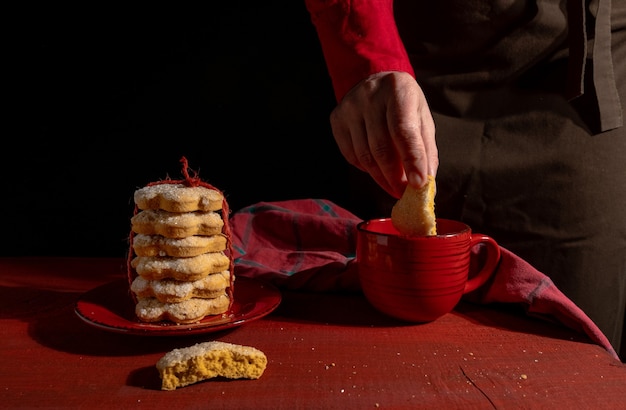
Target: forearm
(358,38)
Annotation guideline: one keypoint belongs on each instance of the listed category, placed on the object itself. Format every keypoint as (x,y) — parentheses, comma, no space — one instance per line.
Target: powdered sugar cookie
(177,225)
(172,291)
(202,361)
(186,269)
(178,198)
(158,245)
(188,311)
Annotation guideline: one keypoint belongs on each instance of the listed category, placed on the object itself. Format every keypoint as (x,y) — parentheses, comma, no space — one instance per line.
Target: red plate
(110,307)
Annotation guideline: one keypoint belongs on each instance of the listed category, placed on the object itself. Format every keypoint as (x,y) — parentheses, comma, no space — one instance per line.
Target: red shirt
(358,38)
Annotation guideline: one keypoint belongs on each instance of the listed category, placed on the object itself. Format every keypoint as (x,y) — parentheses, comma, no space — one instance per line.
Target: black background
(109,99)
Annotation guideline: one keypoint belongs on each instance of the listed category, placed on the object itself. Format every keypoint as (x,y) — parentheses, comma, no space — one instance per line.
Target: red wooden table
(324,351)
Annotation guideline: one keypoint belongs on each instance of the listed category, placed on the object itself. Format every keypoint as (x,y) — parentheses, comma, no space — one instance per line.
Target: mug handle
(490,265)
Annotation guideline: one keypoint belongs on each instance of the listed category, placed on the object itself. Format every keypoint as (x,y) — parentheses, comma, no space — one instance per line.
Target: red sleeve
(358,38)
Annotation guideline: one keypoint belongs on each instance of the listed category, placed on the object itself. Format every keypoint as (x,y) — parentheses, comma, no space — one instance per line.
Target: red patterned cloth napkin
(310,244)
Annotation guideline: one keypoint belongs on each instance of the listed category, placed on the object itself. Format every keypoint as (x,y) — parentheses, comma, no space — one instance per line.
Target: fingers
(349,135)
(412,130)
(384,127)
(364,145)
(380,158)
(430,144)
(384,164)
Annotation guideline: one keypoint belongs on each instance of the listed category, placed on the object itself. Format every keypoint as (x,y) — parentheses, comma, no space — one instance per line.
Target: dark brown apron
(520,159)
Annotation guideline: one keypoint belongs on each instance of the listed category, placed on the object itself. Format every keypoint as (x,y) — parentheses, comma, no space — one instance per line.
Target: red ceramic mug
(419,279)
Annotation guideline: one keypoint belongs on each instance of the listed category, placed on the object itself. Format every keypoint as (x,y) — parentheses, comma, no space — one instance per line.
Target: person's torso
(479,41)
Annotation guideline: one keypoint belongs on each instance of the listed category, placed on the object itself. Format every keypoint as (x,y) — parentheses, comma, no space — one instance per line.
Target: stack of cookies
(179,267)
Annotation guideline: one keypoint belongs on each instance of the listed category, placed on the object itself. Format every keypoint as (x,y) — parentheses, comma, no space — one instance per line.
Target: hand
(383,126)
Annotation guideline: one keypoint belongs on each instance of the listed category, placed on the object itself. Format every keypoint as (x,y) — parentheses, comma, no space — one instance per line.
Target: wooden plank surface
(324,351)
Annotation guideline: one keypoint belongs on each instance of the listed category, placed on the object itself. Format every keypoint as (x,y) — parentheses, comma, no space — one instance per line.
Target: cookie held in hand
(414,213)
